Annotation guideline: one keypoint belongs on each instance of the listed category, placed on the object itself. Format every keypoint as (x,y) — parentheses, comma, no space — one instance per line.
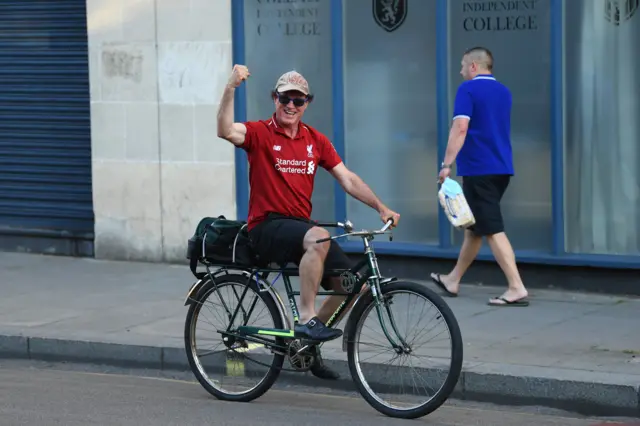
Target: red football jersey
(282,170)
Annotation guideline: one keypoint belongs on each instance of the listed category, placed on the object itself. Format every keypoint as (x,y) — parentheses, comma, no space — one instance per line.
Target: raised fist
(239,74)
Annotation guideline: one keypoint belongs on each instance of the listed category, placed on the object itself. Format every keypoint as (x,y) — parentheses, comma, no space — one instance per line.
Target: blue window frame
(445,250)
(240,111)
(557,161)
(338,98)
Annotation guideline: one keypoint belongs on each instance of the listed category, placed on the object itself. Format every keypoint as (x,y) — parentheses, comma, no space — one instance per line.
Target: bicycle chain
(270,366)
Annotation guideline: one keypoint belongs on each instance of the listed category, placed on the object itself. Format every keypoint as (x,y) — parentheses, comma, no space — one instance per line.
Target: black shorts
(483,194)
(280,240)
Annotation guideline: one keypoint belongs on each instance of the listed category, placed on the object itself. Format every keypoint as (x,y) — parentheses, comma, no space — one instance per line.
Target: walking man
(479,142)
(284,154)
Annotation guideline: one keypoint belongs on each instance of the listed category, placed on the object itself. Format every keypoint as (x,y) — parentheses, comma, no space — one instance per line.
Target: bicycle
(278,338)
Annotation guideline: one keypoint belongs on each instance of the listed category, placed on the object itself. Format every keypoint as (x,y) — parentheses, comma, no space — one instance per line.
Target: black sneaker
(320,370)
(316,331)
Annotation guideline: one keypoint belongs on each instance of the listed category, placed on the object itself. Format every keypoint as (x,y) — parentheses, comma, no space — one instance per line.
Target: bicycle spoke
(237,365)
(406,382)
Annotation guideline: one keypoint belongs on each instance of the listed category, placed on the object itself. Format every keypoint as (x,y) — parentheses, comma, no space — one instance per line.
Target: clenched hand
(239,74)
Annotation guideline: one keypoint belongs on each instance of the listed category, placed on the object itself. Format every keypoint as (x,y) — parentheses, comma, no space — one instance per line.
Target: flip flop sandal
(517,303)
(442,287)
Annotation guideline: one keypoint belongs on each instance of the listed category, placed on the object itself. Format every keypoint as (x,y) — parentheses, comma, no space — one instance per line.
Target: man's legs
(331,303)
(311,271)
(476,199)
(484,193)
(285,240)
(468,252)
(492,189)
(327,309)
(336,259)
(506,258)
(289,240)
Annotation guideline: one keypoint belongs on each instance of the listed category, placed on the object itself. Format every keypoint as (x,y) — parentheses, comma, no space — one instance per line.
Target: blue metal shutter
(45,136)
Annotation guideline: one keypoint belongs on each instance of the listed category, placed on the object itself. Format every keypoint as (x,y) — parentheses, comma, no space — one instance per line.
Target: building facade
(108,143)
(157,70)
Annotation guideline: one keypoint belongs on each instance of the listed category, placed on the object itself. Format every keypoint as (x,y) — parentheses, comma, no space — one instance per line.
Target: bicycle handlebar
(348,227)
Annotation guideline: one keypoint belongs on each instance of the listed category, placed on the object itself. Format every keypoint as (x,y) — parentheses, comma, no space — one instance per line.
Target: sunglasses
(284,100)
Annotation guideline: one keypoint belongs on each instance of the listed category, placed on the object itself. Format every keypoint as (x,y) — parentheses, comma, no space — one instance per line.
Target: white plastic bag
(455,204)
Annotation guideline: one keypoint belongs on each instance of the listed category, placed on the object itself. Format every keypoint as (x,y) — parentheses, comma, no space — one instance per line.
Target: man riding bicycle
(283,157)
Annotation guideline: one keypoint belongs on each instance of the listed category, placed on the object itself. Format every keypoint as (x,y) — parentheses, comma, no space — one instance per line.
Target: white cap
(292,80)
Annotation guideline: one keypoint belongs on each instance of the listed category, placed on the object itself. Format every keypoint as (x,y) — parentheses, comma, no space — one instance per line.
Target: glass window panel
(390,116)
(602,126)
(281,36)
(518,34)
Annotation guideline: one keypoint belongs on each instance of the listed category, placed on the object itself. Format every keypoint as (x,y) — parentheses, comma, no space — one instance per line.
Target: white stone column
(157,69)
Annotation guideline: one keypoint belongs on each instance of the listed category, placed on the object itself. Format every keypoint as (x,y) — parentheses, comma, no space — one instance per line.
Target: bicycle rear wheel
(233,368)
(382,382)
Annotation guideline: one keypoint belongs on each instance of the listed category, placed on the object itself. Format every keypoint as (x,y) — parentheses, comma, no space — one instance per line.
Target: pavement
(102,397)
(573,351)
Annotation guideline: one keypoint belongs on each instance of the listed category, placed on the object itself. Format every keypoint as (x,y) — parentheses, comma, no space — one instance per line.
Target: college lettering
(499,6)
(501,23)
(287,18)
(524,19)
(291,28)
(309,12)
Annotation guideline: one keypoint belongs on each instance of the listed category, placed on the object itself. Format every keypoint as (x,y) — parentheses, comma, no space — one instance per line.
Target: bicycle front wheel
(418,375)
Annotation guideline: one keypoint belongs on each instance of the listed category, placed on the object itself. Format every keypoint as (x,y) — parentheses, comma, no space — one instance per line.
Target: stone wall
(157,70)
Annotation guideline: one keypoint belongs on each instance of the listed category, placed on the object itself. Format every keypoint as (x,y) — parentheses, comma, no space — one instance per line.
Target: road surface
(37,393)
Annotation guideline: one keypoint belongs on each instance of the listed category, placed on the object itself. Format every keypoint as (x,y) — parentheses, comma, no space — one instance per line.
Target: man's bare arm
(457,135)
(355,186)
(227,129)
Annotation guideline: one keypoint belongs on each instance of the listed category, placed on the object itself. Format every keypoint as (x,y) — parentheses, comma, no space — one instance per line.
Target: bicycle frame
(371,275)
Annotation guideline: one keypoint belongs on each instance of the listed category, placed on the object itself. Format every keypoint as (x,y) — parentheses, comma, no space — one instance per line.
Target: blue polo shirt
(487,147)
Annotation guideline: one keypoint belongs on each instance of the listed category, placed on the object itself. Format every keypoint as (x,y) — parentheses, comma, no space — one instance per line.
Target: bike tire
(457,351)
(278,360)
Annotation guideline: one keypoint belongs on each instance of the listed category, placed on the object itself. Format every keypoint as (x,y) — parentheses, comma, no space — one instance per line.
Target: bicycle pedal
(308,343)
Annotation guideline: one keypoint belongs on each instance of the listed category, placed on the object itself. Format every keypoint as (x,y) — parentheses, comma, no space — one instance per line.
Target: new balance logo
(277,147)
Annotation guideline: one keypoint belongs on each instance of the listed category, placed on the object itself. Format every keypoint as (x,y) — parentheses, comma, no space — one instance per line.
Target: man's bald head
(477,60)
